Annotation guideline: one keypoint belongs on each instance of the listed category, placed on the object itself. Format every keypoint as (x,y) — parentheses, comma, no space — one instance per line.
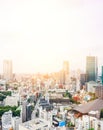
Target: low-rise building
(35,124)
(91,86)
(11,101)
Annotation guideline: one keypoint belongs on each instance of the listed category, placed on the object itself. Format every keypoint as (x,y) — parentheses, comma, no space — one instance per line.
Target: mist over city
(39,35)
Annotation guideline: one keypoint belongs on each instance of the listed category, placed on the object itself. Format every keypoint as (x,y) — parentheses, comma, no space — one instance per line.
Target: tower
(23,110)
(15,122)
(66,67)
(7,69)
(65,72)
(91,68)
(28,112)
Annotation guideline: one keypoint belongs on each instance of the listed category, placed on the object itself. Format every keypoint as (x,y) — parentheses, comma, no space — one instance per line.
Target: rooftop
(35,124)
(95,105)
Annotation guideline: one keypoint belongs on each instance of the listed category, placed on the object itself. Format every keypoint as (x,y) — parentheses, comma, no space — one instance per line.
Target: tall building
(7,120)
(7,69)
(91,68)
(28,112)
(65,72)
(23,111)
(15,122)
(83,79)
(66,67)
(99,92)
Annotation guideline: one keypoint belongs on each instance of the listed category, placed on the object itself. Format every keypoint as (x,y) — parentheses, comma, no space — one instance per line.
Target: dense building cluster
(61,100)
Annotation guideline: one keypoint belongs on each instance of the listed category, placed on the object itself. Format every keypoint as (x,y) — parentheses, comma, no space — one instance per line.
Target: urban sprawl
(64,100)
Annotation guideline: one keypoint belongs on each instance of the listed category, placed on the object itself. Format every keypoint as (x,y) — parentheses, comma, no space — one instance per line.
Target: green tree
(2,97)
(70,124)
(4,109)
(16,113)
(101,113)
(91,129)
(6,93)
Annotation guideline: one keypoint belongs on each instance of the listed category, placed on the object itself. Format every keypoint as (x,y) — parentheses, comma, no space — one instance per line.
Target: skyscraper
(66,67)
(91,68)
(23,110)
(7,69)
(15,122)
(28,112)
(65,72)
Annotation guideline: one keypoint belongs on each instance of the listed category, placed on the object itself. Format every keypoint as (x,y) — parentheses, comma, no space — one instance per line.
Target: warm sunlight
(39,35)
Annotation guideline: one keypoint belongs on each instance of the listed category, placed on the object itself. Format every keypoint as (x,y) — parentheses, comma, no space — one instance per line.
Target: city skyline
(39,35)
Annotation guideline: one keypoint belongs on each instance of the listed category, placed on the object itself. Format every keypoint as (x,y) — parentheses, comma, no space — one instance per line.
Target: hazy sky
(37,35)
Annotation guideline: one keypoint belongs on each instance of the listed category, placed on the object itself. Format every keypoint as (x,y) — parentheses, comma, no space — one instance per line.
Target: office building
(7,120)
(91,68)
(90,86)
(64,74)
(86,122)
(46,115)
(28,112)
(35,124)
(23,111)
(99,92)
(83,79)
(15,122)
(66,67)
(7,69)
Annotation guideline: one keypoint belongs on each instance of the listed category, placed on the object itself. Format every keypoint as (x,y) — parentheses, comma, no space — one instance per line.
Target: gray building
(99,92)
(28,112)
(23,110)
(83,80)
(91,68)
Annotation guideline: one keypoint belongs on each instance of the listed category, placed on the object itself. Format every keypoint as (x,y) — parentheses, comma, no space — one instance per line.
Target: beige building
(65,72)
(7,69)
(99,91)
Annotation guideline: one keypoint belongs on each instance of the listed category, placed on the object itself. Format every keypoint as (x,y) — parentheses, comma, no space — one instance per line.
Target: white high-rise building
(7,120)
(15,122)
(7,69)
(86,122)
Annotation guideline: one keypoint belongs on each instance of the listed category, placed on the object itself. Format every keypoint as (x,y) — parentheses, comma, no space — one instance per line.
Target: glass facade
(91,68)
